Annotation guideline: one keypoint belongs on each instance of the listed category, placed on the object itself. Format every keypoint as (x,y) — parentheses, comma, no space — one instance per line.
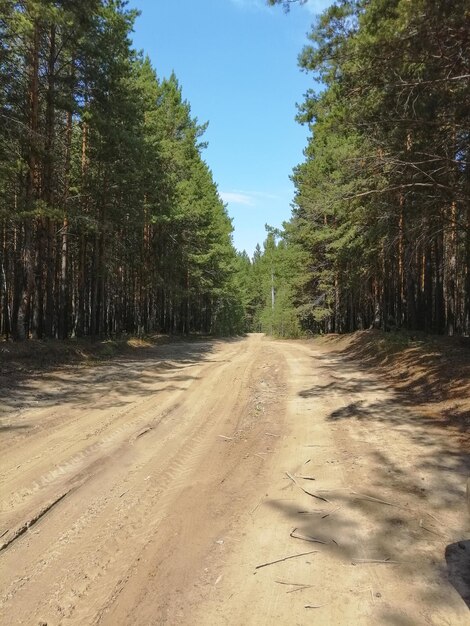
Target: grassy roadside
(43,355)
(433,372)
(37,356)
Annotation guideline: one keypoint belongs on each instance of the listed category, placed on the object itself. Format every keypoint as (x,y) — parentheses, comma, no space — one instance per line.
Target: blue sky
(237,63)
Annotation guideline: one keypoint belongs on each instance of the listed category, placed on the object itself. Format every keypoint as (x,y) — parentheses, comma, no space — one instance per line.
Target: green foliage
(269,282)
(381,208)
(111,220)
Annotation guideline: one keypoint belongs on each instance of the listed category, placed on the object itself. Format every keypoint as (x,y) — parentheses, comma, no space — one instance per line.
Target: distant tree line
(381,222)
(268,284)
(110,220)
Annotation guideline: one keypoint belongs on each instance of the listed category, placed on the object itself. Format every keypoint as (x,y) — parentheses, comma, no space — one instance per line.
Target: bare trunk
(27,281)
(63,329)
(48,185)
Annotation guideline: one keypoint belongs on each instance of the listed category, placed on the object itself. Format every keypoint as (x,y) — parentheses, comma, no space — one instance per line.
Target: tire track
(96,537)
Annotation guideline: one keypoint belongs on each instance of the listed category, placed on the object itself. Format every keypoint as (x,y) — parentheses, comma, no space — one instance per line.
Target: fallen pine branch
(398,506)
(29,523)
(286,558)
(372,499)
(309,493)
(434,518)
(300,588)
(296,535)
(429,530)
(144,432)
(318,512)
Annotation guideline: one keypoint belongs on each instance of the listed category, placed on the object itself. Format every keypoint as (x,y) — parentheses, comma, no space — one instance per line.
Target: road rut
(148,491)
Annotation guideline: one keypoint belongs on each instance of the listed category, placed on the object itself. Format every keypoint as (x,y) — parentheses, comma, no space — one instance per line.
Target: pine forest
(380,230)
(111,221)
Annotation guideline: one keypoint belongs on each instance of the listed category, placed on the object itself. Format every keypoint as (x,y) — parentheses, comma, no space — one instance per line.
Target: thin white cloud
(262,194)
(246,198)
(235,197)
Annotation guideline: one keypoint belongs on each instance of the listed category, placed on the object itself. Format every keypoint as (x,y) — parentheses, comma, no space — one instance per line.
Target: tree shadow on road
(406,475)
(104,384)
(427,368)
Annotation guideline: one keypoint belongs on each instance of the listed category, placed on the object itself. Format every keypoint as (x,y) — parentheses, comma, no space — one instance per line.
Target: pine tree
(381,203)
(110,219)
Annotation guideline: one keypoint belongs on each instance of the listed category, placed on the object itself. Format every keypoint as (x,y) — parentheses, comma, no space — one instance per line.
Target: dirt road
(151,491)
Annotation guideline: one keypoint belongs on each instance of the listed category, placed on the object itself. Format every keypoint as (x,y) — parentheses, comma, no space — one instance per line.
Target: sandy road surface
(148,491)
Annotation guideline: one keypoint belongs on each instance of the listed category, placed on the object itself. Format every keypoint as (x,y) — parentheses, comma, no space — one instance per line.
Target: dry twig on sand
(286,558)
(309,493)
(295,535)
(364,496)
(430,530)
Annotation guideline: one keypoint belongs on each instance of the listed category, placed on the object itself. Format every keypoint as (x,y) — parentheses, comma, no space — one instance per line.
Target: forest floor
(244,481)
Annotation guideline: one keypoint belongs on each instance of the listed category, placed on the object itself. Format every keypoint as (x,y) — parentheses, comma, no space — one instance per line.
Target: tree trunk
(27,282)
(48,184)
(450,271)
(63,314)
(467,274)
